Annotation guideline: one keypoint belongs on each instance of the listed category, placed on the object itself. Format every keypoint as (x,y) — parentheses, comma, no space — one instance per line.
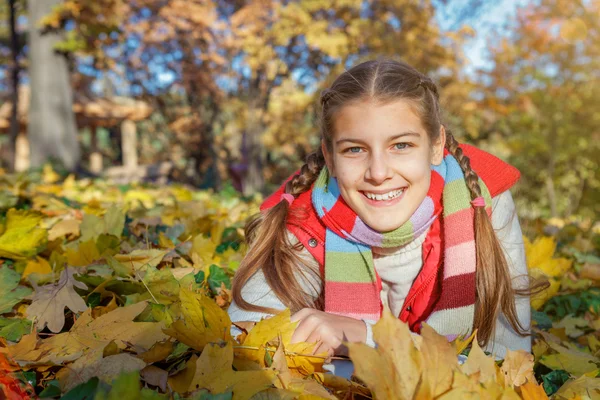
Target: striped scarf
(349,268)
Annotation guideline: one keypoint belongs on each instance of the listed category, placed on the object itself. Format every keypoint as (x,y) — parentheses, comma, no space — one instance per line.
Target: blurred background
(224,94)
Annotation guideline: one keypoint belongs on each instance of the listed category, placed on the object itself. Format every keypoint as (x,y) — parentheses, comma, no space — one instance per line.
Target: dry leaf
(22,236)
(439,362)
(92,364)
(214,373)
(64,227)
(533,391)
(49,301)
(517,368)
(37,266)
(479,362)
(393,369)
(159,351)
(88,334)
(204,322)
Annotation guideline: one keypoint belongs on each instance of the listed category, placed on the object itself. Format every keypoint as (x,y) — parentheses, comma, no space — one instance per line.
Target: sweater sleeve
(508,230)
(258,292)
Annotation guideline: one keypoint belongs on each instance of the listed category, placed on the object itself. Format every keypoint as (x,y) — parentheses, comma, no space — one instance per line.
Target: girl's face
(382,160)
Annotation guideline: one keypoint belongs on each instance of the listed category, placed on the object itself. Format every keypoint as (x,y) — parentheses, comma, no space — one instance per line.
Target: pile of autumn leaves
(121,292)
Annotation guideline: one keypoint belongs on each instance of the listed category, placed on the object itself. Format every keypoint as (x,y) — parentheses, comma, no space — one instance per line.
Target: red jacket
(425,291)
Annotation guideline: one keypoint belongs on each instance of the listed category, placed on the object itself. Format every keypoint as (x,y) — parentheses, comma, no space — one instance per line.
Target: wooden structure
(94,113)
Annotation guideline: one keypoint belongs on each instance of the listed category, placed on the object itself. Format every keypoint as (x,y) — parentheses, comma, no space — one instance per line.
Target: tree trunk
(550,190)
(14,80)
(52,131)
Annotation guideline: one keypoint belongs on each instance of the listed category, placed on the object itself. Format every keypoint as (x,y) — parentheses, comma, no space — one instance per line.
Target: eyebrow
(391,138)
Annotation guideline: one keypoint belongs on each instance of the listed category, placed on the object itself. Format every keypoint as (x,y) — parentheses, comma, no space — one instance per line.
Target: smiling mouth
(391,195)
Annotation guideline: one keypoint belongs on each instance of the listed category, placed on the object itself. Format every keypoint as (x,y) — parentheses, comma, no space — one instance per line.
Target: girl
(390,210)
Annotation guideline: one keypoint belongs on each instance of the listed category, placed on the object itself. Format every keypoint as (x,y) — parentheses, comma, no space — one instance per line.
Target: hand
(327,330)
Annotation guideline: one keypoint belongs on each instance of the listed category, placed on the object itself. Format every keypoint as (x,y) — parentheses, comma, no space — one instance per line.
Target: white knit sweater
(398,267)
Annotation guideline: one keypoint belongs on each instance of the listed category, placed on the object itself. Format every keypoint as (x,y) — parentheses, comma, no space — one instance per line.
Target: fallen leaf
(89,334)
(11,292)
(214,373)
(533,391)
(49,301)
(517,368)
(394,368)
(479,362)
(203,321)
(181,381)
(159,351)
(37,266)
(155,376)
(584,386)
(83,253)
(64,227)
(92,364)
(139,260)
(22,235)
(439,362)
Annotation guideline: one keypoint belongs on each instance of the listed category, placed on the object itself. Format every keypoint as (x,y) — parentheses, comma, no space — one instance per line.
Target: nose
(379,169)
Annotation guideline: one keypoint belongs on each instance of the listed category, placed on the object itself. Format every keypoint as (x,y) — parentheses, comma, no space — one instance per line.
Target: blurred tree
(51,128)
(286,51)
(13,40)
(235,82)
(544,91)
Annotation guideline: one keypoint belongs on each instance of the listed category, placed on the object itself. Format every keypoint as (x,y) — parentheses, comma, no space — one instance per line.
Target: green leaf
(13,328)
(552,381)
(22,237)
(12,292)
(52,389)
(541,319)
(199,277)
(83,391)
(114,221)
(217,276)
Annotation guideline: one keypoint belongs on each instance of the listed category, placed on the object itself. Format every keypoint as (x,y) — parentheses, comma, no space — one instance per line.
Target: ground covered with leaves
(120,292)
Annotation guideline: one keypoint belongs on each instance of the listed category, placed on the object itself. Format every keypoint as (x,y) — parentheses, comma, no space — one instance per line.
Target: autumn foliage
(109,291)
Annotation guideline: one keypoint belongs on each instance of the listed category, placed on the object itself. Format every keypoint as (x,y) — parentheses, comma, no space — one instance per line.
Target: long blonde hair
(381,80)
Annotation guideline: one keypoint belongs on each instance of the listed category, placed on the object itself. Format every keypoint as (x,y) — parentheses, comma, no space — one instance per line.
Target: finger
(300,315)
(304,329)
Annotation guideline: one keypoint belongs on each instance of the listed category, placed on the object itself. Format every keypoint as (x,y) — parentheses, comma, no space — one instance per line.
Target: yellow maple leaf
(140,260)
(584,386)
(540,255)
(478,362)
(84,254)
(22,236)
(517,368)
(203,321)
(266,336)
(63,228)
(214,373)
(37,266)
(393,369)
(89,334)
(575,362)
(533,391)
(439,363)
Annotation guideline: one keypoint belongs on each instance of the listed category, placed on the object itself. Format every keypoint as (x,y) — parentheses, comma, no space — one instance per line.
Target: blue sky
(494,17)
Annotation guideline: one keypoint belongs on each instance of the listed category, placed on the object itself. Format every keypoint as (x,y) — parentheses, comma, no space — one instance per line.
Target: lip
(383,191)
(383,203)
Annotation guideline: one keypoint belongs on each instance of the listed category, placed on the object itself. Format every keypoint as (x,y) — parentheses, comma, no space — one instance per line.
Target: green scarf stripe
(403,234)
(357,271)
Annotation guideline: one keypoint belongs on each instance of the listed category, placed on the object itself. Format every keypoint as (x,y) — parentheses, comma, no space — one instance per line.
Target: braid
(465,165)
(274,253)
(494,290)
(308,174)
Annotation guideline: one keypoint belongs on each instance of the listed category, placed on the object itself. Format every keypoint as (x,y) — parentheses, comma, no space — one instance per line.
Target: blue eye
(351,149)
(404,146)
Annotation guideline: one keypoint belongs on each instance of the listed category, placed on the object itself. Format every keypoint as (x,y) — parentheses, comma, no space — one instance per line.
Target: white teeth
(386,196)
